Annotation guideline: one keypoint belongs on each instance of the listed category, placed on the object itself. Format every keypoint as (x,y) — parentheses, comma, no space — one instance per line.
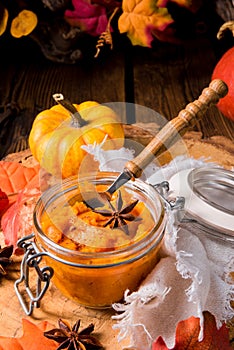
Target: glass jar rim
(135,250)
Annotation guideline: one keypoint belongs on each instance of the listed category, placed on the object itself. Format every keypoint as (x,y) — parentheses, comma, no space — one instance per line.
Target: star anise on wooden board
(71,338)
(119,216)
(5,255)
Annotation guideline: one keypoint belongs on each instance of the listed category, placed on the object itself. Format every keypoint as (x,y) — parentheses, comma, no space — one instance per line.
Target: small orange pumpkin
(58,133)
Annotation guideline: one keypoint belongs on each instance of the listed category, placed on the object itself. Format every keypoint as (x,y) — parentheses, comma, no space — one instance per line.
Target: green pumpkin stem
(77,120)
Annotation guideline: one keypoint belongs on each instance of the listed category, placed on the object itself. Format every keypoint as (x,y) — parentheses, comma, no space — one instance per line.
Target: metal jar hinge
(28,298)
(173,204)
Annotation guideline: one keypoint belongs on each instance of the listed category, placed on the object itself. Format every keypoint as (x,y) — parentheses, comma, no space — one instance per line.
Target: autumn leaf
(23,186)
(140,18)
(4,15)
(23,24)
(15,177)
(90,18)
(4,202)
(32,338)
(144,20)
(19,188)
(17,221)
(187,332)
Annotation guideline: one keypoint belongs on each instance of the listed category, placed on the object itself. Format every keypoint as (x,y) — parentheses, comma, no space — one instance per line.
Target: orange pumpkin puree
(79,228)
(98,284)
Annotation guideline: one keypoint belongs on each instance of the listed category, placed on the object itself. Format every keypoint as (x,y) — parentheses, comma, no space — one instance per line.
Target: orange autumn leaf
(10,343)
(4,15)
(15,177)
(33,338)
(4,202)
(144,20)
(187,332)
(17,221)
(23,186)
(140,18)
(23,24)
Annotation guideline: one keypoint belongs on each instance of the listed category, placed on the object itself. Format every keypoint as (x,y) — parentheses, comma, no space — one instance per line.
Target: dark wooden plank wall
(27,86)
(171,78)
(164,79)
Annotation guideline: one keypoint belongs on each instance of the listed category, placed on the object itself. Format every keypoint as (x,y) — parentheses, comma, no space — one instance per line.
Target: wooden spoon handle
(177,127)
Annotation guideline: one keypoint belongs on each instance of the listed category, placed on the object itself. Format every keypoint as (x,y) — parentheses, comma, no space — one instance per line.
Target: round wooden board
(217,149)
(54,305)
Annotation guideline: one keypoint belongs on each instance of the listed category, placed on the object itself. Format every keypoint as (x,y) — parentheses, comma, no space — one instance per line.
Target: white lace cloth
(192,276)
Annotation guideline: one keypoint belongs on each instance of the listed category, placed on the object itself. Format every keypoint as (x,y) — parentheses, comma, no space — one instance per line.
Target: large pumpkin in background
(224,70)
(57,135)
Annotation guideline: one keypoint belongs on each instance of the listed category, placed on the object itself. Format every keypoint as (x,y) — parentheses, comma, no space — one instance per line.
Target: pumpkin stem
(77,120)
(225,27)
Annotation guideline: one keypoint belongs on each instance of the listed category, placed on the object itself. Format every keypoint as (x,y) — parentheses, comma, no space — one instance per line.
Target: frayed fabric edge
(228,310)
(192,296)
(125,320)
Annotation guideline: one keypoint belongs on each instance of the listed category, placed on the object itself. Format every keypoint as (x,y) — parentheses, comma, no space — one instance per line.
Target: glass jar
(99,277)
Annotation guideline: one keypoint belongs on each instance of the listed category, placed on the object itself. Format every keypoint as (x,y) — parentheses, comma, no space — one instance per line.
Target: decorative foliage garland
(141,21)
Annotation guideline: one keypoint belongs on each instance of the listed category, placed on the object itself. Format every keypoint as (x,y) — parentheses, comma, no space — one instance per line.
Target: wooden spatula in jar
(165,138)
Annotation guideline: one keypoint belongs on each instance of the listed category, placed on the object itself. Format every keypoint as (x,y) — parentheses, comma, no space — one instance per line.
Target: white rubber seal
(198,208)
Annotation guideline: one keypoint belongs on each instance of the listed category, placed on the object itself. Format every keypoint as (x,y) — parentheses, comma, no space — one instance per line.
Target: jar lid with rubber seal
(209,200)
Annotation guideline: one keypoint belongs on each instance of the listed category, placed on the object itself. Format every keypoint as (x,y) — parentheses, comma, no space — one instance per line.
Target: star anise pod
(119,216)
(71,339)
(5,254)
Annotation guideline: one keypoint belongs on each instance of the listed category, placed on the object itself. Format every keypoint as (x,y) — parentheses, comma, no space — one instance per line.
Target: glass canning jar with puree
(96,256)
